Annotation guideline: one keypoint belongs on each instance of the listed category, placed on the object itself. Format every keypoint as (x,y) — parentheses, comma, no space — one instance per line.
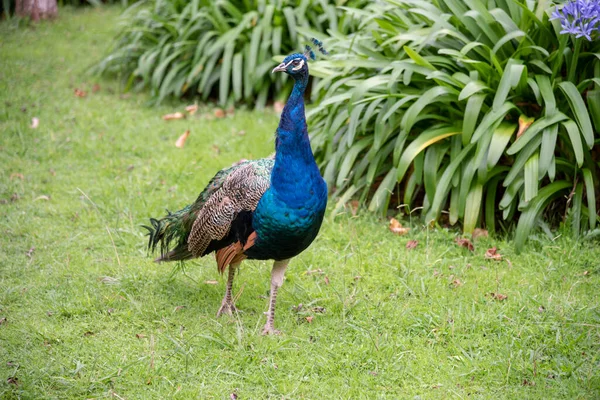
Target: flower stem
(574,58)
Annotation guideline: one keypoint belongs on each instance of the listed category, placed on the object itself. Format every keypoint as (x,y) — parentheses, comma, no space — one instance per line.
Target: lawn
(85,313)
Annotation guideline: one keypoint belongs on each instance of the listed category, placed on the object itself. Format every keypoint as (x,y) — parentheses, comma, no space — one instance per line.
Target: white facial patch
(297,67)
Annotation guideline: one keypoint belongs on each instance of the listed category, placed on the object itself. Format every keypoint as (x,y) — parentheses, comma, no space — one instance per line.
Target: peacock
(266,209)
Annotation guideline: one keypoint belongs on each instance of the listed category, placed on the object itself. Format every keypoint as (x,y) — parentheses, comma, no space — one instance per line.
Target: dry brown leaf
(35,122)
(211,282)
(397,228)
(353,205)
(181,141)
(457,283)
(462,242)
(326,279)
(219,113)
(192,108)
(524,123)
(498,296)
(80,93)
(177,115)
(478,232)
(278,106)
(309,319)
(179,308)
(411,244)
(140,335)
(493,254)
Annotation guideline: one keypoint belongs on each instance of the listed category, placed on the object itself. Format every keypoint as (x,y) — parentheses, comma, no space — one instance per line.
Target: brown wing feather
(241,191)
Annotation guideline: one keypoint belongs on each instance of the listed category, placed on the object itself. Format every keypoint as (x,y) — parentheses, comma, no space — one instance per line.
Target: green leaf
(491,118)
(471,88)
(472,208)
(424,140)
(573,132)
(579,110)
(590,196)
(500,139)
(510,79)
(531,170)
(533,131)
(535,207)
(471,116)
(593,100)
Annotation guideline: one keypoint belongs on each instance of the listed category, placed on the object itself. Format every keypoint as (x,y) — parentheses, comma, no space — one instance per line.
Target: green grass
(107,163)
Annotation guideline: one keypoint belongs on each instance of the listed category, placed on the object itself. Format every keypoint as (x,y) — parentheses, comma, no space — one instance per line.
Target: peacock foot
(270,330)
(227,308)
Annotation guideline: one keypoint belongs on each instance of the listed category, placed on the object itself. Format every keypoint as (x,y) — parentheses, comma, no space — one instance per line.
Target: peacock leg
(227,305)
(276,282)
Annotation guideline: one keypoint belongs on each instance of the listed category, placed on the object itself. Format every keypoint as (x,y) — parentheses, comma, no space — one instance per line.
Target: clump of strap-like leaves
(222,49)
(479,110)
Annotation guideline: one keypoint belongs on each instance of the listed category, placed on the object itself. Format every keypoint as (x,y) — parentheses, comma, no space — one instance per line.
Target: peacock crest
(310,54)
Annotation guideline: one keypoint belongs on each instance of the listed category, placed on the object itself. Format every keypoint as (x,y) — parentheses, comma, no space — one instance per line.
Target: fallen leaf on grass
(191,109)
(211,282)
(456,283)
(353,206)
(478,232)
(80,93)
(411,244)
(35,122)
(498,296)
(42,197)
(181,141)
(326,279)
(464,243)
(493,254)
(177,115)
(140,335)
(309,319)
(178,308)
(318,271)
(397,228)
(219,113)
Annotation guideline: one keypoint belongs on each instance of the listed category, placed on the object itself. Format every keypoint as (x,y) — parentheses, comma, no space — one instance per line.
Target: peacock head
(296,64)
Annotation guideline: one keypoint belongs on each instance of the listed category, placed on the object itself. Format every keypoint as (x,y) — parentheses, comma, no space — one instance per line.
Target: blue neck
(294,160)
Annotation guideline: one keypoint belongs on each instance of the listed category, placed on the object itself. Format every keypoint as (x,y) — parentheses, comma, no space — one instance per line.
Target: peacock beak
(279,68)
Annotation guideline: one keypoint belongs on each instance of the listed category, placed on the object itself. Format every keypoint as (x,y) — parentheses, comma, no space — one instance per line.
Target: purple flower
(579,17)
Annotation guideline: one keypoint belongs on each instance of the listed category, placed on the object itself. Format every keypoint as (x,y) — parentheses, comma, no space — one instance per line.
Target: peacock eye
(296,62)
